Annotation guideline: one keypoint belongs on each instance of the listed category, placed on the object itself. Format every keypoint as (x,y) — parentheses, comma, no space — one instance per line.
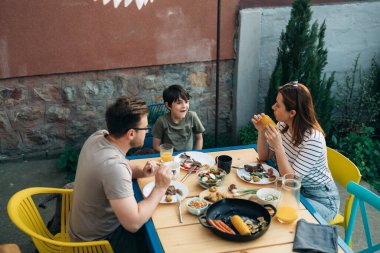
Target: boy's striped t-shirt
(309,159)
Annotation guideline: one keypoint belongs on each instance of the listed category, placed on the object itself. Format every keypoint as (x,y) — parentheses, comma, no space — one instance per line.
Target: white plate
(241,172)
(203,158)
(149,187)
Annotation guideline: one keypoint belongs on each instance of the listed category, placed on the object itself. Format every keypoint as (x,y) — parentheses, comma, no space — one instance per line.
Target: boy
(179,125)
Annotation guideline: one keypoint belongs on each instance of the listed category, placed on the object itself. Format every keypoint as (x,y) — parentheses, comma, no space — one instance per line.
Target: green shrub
(68,161)
(358,101)
(364,151)
(248,134)
(302,56)
(224,140)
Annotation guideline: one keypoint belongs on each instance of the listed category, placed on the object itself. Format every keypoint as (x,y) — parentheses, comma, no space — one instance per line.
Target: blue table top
(154,241)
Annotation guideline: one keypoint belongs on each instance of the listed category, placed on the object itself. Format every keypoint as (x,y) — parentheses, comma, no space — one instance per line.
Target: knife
(188,173)
(179,208)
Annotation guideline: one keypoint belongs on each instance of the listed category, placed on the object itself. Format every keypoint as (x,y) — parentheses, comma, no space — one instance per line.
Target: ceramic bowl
(211,177)
(268,196)
(195,210)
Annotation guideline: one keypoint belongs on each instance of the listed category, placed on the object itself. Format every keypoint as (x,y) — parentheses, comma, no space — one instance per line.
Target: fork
(179,207)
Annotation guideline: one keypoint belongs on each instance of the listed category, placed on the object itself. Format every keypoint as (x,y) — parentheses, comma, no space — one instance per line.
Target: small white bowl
(196,211)
(264,196)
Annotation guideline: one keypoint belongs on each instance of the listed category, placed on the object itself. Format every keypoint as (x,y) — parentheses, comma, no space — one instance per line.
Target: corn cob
(266,120)
(240,226)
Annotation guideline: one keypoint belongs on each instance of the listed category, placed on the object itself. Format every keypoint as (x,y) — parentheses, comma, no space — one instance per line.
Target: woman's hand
(256,120)
(273,137)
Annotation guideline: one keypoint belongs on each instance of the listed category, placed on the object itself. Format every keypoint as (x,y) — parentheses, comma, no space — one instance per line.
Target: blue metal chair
(362,195)
(155,111)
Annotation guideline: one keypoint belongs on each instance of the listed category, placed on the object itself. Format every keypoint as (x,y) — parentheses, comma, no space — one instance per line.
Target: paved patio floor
(20,175)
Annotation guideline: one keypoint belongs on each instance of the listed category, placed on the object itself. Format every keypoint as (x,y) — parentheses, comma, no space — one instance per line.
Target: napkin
(315,238)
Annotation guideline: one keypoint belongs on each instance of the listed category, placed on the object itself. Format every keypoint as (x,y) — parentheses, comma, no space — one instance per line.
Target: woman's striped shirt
(309,159)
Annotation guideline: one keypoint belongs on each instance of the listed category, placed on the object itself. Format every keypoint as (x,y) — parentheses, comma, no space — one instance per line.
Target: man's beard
(137,144)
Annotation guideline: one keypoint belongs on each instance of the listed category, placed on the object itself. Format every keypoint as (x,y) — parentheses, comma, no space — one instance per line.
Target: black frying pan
(225,208)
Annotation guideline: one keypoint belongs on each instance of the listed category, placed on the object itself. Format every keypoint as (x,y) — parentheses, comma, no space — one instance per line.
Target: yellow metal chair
(24,214)
(343,171)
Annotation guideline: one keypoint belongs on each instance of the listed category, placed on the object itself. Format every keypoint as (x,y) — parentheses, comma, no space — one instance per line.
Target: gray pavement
(20,175)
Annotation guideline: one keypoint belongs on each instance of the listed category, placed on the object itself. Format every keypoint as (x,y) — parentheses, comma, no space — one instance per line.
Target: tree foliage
(302,56)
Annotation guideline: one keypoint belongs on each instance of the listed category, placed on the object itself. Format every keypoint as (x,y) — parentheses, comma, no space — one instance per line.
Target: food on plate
(168,198)
(232,188)
(254,168)
(197,204)
(239,225)
(188,163)
(213,189)
(172,191)
(215,196)
(270,197)
(257,173)
(266,120)
(211,177)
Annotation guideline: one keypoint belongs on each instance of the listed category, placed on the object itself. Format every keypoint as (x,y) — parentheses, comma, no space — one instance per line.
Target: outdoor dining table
(167,234)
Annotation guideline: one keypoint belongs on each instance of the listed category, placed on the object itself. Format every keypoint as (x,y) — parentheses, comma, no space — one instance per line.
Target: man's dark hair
(124,115)
(174,92)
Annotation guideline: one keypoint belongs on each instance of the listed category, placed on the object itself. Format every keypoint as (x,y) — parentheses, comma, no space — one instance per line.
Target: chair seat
(338,220)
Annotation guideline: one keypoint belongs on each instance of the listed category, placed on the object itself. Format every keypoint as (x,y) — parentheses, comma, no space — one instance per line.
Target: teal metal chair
(155,111)
(361,196)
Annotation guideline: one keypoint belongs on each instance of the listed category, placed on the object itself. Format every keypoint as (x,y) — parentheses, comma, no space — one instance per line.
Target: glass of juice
(288,204)
(166,152)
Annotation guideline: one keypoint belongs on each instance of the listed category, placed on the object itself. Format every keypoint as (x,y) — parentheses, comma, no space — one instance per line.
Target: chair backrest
(25,215)
(361,196)
(155,111)
(343,171)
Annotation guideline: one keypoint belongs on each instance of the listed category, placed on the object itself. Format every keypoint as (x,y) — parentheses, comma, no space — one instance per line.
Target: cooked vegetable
(266,120)
(240,226)
(225,226)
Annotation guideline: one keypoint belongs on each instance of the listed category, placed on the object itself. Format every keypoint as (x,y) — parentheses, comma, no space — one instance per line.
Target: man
(104,206)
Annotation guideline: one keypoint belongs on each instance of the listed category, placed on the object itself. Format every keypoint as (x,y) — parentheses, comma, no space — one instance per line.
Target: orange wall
(52,36)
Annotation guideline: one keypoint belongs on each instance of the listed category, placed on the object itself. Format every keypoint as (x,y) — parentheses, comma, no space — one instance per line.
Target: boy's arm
(198,141)
(156,144)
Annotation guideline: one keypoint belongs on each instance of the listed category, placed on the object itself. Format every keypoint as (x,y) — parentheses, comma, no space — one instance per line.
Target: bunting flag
(116,3)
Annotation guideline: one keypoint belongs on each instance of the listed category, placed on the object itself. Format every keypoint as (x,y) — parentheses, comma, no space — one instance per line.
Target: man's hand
(163,178)
(150,168)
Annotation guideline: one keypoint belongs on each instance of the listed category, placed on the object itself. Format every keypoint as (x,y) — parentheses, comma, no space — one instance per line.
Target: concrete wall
(352,29)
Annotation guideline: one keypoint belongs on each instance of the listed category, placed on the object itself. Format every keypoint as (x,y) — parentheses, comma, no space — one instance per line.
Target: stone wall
(40,114)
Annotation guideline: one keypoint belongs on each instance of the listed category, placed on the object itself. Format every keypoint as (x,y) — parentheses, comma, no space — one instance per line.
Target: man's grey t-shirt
(180,135)
(103,173)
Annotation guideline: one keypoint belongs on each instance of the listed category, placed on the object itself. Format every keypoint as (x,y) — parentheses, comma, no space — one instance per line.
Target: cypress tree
(302,56)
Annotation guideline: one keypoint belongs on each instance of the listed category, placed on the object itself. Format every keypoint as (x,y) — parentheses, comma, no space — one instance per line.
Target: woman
(299,147)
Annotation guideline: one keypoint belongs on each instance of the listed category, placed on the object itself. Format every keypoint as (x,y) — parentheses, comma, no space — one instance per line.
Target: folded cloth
(315,238)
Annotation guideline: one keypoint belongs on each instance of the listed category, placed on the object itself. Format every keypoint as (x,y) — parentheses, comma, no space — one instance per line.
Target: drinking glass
(166,152)
(174,167)
(288,204)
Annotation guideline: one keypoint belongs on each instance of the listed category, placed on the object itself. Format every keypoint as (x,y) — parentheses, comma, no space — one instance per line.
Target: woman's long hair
(296,96)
